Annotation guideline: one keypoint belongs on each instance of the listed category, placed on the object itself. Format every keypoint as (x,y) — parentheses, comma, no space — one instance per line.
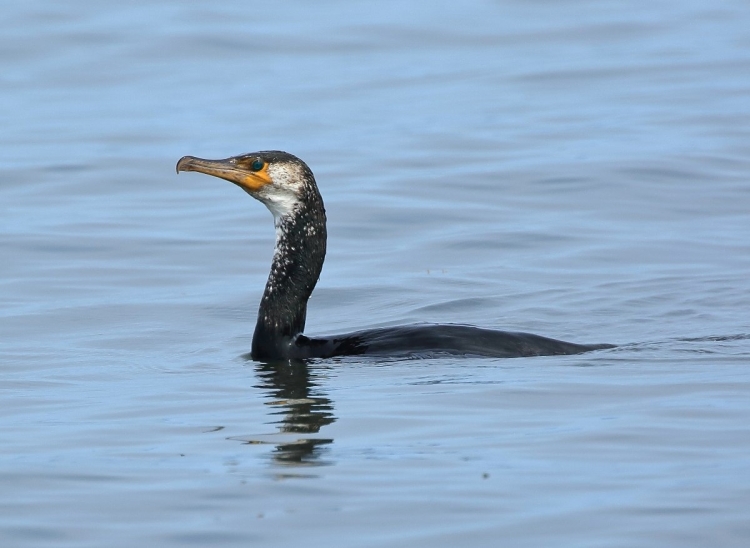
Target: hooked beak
(229,169)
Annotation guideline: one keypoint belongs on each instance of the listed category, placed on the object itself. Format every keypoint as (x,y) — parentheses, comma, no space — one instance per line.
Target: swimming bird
(287,187)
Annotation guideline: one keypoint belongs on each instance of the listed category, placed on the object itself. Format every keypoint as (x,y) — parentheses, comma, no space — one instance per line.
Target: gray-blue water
(579,170)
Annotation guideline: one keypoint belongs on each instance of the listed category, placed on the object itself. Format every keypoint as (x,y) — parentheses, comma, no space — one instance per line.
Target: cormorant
(286,185)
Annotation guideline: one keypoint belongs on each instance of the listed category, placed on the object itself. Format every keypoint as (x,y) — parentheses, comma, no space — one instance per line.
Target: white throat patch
(282,195)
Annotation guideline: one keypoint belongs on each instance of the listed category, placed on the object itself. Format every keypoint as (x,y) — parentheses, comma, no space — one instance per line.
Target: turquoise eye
(257,165)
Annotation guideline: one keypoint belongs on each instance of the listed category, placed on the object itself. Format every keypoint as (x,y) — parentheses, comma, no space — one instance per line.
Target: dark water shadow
(301,410)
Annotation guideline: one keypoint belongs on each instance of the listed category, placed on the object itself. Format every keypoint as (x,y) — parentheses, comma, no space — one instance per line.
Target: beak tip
(183,163)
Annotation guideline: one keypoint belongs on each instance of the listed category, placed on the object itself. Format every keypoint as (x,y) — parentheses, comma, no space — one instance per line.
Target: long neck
(297,262)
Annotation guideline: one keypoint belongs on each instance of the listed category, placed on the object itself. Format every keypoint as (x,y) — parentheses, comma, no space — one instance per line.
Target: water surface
(577,170)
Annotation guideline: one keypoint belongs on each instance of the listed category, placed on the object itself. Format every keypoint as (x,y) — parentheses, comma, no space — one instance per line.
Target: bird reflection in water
(301,409)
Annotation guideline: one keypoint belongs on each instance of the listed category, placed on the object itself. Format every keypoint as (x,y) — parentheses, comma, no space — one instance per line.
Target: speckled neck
(297,263)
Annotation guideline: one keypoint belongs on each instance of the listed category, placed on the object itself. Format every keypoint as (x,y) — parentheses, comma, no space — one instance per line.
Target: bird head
(276,178)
